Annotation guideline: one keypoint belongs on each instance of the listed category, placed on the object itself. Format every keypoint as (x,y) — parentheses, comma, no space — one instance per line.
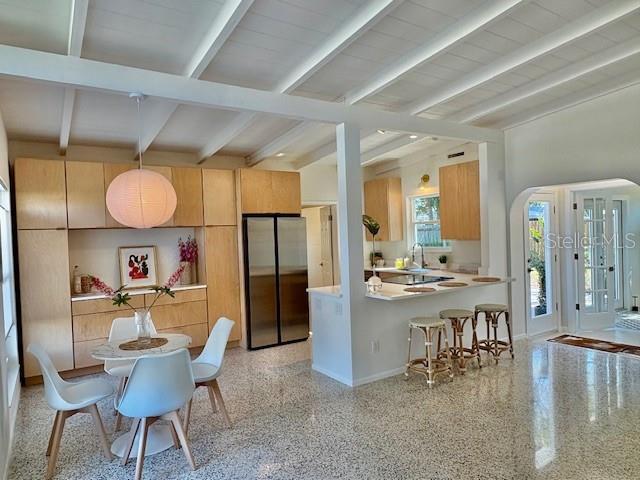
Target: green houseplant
(442,259)
(373,227)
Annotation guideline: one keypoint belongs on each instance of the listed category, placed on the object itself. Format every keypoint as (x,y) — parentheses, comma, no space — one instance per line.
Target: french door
(541,263)
(596,258)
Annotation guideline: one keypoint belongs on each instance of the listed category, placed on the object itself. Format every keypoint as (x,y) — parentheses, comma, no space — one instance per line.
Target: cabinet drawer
(82,353)
(198,333)
(182,296)
(179,314)
(95,325)
(103,305)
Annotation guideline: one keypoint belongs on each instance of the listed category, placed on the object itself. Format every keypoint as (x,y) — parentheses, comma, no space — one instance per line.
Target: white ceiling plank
(77,26)
(369,157)
(222,27)
(345,34)
(576,98)
(462,29)
(563,75)
(574,30)
(93,75)
(280,143)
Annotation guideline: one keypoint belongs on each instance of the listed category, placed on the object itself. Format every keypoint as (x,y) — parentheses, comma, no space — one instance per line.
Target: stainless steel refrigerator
(275,262)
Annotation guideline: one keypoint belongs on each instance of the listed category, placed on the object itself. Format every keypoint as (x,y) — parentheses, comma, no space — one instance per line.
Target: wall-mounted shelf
(141,291)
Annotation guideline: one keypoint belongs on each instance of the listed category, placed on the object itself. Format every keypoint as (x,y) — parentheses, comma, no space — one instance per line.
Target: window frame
(411,224)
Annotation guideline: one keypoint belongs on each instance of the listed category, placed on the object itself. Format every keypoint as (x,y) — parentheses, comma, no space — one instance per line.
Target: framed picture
(138,267)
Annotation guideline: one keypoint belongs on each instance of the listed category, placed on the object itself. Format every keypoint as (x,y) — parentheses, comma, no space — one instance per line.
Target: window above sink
(425,223)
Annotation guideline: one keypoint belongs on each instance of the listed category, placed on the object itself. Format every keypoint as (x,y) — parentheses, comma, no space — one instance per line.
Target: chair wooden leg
(55,445)
(134,429)
(428,353)
(187,417)
(144,429)
(212,398)
(102,434)
(174,437)
(219,400)
(507,317)
(53,430)
(406,371)
(175,420)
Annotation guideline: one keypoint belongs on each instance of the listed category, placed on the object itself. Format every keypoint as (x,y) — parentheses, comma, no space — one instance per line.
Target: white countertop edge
(439,290)
(133,293)
(330,291)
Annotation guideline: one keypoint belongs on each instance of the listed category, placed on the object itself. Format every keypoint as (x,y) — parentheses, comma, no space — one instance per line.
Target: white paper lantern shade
(141,199)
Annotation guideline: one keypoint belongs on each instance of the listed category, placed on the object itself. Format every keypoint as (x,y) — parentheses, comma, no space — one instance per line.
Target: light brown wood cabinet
(187,183)
(219,197)
(44,297)
(383,202)
(460,201)
(85,195)
(111,171)
(266,191)
(223,276)
(41,197)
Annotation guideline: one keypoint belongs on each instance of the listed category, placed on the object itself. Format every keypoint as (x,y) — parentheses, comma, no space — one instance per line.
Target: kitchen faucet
(413,255)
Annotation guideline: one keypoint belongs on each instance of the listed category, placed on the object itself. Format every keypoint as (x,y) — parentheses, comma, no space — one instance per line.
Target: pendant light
(141,198)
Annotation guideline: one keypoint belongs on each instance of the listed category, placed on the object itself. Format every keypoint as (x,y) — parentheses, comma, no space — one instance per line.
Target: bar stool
(492,313)
(430,365)
(458,319)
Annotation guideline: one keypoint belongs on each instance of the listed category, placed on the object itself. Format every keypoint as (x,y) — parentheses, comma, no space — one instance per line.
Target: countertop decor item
(486,279)
(420,289)
(141,198)
(138,266)
(453,284)
(188,250)
(121,297)
(373,228)
(443,260)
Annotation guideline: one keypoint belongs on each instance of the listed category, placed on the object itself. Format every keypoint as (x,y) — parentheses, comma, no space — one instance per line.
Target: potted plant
(373,227)
(143,317)
(188,250)
(443,261)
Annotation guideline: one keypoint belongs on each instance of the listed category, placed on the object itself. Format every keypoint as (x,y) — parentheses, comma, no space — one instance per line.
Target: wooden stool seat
(459,318)
(429,365)
(492,313)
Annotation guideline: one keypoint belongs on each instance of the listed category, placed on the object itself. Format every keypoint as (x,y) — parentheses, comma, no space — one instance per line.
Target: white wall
(9,380)
(596,140)
(410,169)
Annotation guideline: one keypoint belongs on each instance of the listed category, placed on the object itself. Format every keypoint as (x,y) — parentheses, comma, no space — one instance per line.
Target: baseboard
(330,374)
(379,376)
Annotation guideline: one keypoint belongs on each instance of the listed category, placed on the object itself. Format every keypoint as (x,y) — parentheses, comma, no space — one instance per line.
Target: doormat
(594,344)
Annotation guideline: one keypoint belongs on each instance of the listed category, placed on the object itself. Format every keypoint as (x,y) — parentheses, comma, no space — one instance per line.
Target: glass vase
(143,326)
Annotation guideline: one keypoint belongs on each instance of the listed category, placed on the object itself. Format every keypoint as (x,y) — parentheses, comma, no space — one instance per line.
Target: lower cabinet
(185,313)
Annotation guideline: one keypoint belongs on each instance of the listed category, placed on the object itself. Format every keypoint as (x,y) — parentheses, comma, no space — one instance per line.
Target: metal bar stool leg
(428,351)
(507,318)
(494,324)
(406,372)
(475,345)
(448,352)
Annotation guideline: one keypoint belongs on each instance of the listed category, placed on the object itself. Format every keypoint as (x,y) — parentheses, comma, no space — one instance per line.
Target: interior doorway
(322,245)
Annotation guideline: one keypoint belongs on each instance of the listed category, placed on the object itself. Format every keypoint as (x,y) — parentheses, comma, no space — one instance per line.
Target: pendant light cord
(139,133)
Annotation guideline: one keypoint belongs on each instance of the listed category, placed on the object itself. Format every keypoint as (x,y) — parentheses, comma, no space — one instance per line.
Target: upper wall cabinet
(460,201)
(264,191)
(219,197)
(111,171)
(41,200)
(383,202)
(188,185)
(85,195)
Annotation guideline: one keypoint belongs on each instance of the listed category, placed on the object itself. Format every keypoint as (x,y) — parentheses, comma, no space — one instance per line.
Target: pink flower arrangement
(120,297)
(188,250)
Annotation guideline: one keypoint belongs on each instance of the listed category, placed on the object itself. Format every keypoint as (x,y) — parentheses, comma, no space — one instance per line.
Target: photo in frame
(138,267)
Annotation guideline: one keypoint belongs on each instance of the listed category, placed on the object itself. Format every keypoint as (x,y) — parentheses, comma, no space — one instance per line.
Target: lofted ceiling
(490,63)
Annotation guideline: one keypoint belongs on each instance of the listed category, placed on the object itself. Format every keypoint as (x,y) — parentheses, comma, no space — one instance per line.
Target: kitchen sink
(416,279)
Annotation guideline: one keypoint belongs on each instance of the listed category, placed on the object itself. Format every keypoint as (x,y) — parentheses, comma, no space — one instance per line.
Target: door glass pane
(539,260)
(594,251)
(618,290)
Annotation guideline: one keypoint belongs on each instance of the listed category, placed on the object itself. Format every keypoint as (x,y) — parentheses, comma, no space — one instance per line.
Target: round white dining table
(159,436)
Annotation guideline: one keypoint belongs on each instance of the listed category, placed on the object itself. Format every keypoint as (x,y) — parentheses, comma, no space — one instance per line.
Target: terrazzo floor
(556,412)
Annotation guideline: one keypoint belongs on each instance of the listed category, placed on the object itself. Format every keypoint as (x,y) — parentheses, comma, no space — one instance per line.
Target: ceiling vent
(454,155)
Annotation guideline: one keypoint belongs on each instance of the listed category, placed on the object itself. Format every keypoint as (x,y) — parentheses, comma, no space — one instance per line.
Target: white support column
(350,225)
(493,209)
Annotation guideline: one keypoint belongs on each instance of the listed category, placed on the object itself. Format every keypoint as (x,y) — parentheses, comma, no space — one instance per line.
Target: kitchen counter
(394,292)
(142,291)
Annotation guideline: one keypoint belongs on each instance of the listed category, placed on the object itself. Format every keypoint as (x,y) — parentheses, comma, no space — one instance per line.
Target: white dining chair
(159,385)
(208,366)
(67,399)
(123,328)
